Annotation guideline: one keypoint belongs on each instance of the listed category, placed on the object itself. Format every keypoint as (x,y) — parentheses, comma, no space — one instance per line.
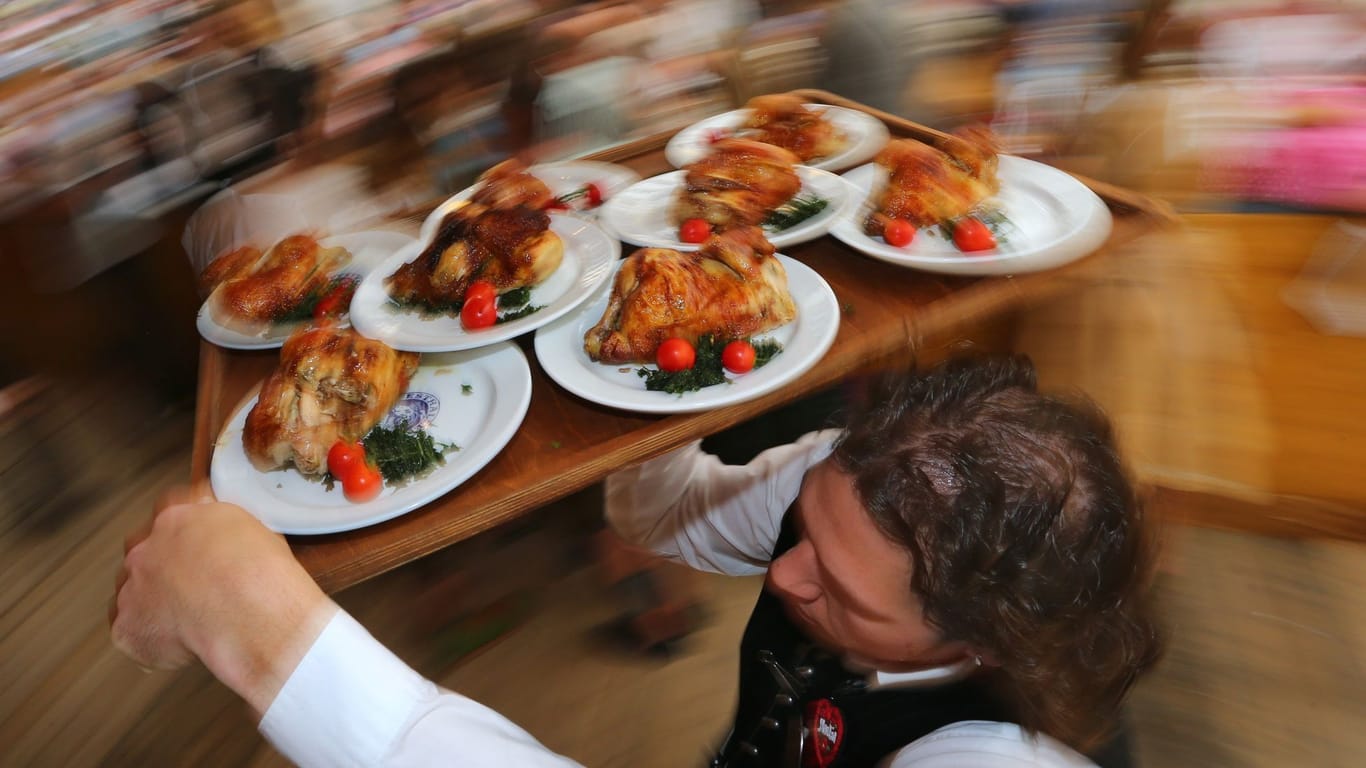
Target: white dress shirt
(351,702)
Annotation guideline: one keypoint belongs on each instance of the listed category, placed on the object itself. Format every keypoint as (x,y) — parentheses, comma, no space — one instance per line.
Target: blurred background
(1229,350)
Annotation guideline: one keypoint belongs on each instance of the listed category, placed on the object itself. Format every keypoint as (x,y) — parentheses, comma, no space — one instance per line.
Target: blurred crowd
(160,94)
(114,113)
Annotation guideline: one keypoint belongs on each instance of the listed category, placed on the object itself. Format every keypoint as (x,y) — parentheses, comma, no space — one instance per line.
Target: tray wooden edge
(1114,196)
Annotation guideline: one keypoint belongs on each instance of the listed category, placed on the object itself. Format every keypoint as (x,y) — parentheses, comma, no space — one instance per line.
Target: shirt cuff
(346,702)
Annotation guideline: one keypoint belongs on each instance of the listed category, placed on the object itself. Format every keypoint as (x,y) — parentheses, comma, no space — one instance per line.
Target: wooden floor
(1268,659)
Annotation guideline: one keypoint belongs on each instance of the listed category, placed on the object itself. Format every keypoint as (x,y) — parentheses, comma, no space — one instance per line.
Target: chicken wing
(236,263)
(252,297)
(508,185)
(502,235)
(332,384)
(785,121)
(740,183)
(928,185)
(733,288)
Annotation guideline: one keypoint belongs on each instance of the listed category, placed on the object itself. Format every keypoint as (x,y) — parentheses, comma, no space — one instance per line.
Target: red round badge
(825,731)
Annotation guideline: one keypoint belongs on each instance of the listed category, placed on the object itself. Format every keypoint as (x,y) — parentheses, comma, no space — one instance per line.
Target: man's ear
(985,658)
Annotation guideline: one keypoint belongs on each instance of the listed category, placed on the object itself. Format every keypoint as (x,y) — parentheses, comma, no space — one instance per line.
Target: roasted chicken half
(502,235)
(785,121)
(732,288)
(332,384)
(927,185)
(250,290)
(230,266)
(738,184)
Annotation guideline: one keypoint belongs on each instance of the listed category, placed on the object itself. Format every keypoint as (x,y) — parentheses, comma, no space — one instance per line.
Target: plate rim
(1089,233)
(506,372)
(676,149)
(362,321)
(844,207)
(664,404)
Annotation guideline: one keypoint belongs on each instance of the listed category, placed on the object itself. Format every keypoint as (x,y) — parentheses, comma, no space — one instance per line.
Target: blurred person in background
(566,95)
(602,72)
(959,576)
(867,58)
(1062,56)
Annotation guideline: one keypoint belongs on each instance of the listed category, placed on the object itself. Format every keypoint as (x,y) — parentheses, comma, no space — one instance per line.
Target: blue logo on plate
(415,409)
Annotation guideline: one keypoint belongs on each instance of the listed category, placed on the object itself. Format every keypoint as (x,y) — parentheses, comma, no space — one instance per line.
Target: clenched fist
(206,579)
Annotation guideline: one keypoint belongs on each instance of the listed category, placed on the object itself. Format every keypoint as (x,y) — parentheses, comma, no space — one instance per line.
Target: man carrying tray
(959,571)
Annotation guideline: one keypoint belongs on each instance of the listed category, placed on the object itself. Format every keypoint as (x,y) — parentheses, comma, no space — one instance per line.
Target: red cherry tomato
(972,235)
(337,300)
(675,355)
(594,194)
(738,356)
(362,484)
(481,290)
(479,314)
(344,457)
(694,231)
(898,233)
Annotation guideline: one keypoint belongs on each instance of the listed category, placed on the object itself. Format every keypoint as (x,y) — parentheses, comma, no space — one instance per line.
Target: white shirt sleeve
(688,505)
(980,744)
(351,702)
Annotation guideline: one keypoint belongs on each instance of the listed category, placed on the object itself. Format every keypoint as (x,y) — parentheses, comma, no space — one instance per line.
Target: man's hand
(205,579)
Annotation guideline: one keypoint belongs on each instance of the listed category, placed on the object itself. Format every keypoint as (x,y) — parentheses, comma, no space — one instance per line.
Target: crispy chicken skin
(502,235)
(738,184)
(785,121)
(733,288)
(331,384)
(230,266)
(508,185)
(928,185)
(250,297)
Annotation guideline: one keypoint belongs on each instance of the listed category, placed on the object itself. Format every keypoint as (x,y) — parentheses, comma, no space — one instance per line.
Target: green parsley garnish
(304,309)
(466,389)
(512,305)
(706,371)
(999,224)
(794,212)
(764,351)
(429,308)
(516,304)
(401,452)
(515,298)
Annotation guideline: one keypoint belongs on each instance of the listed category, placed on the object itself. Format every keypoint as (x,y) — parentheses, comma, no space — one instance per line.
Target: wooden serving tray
(890,316)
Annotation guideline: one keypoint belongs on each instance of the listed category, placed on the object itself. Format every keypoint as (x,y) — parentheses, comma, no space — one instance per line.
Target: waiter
(958,577)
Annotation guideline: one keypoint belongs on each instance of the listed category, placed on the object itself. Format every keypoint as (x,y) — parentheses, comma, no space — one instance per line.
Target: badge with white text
(825,731)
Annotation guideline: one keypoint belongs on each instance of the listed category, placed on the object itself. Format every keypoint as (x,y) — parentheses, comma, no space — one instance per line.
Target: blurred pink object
(1318,166)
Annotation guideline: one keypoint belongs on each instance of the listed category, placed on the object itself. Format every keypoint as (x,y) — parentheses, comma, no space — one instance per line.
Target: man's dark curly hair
(1026,536)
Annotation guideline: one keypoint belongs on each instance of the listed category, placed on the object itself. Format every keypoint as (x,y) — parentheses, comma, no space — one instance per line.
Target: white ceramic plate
(588,257)
(1053,219)
(481,420)
(559,347)
(643,214)
(368,250)
(864,135)
(562,178)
